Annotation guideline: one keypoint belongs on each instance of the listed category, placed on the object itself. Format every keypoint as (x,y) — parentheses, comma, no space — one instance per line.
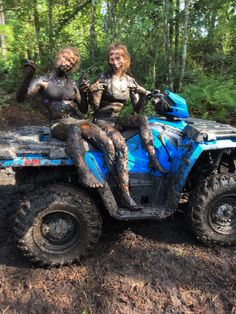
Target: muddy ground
(141,267)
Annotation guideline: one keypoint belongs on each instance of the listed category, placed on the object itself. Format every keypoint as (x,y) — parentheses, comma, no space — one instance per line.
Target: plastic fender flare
(193,155)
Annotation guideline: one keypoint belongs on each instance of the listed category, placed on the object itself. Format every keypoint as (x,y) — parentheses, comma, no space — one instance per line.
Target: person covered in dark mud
(107,96)
(62,98)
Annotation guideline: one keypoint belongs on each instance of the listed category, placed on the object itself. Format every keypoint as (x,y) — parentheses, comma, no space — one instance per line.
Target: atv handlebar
(154,94)
(159,101)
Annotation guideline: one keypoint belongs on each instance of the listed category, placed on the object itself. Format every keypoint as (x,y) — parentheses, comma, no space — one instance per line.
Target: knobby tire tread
(201,196)
(34,203)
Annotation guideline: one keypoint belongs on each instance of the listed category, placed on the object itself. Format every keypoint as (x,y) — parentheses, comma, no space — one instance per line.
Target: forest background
(187,46)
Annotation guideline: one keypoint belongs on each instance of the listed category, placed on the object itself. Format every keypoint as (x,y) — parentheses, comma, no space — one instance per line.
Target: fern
(212,98)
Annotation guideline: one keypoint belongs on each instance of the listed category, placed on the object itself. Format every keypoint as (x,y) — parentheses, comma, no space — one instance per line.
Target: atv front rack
(203,130)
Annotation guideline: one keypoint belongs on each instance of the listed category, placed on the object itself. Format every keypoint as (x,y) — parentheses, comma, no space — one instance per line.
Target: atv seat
(39,140)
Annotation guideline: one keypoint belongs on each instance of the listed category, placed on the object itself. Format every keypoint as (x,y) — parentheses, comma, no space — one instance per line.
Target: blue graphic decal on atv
(96,164)
(94,160)
(138,157)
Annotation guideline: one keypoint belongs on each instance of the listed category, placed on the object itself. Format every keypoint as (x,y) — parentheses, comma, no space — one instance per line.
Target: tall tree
(177,32)
(93,34)
(50,25)
(2,33)
(111,18)
(185,42)
(69,14)
(37,30)
(168,22)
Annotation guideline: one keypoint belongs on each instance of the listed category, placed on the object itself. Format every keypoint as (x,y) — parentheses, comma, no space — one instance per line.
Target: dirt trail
(144,267)
(141,267)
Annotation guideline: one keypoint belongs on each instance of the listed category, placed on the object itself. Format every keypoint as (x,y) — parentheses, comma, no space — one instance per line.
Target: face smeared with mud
(116,61)
(66,61)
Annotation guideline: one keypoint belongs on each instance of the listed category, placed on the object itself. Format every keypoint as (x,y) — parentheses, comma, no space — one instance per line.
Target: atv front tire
(57,225)
(212,210)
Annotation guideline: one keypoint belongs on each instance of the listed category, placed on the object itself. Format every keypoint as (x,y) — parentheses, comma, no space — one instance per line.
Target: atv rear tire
(212,210)
(57,225)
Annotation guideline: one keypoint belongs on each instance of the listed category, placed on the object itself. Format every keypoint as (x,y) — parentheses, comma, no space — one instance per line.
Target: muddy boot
(154,164)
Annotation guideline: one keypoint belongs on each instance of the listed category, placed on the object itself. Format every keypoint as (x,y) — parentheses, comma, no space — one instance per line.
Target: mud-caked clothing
(63,101)
(60,95)
(108,104)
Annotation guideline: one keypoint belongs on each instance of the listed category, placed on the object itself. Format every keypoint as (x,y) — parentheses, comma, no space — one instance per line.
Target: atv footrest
(151,212)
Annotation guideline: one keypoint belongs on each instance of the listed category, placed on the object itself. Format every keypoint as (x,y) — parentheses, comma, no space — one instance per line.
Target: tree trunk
(67,18)
(176,84)
(154,74)
(50,25)
(2,35)
(37,30)
(185,42)
(111,8)
(171,29)
(168,41)
(211,38)
(93,34)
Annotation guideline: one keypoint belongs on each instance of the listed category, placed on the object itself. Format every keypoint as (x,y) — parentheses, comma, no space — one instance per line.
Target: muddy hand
(136,88)
(84,85)
(29,66)
(98,86)
(141,90)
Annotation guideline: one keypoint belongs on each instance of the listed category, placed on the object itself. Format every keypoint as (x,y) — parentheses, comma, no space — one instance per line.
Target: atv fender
(184,162)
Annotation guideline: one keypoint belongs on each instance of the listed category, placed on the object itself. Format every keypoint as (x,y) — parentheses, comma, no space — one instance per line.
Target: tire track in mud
(137,267)
(9,197)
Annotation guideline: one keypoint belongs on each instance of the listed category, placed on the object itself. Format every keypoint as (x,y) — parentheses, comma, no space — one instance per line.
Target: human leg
(122,167)
(100,139)
(141,122)
(71,132)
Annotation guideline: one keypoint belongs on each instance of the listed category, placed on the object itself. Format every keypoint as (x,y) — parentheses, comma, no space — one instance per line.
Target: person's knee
(142,120)
(86,126)
(73,129)
(111,133)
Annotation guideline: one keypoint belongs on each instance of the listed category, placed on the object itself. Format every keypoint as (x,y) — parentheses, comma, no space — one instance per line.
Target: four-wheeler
(59,221)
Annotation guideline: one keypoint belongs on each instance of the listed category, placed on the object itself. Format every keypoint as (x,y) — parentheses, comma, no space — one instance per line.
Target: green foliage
(212,98)
(41,27)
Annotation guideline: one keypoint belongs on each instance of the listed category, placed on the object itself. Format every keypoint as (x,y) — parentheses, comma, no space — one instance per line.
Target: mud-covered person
(62,98)
(108,95)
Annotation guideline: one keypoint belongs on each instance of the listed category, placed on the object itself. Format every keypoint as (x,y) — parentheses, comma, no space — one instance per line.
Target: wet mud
(137,267)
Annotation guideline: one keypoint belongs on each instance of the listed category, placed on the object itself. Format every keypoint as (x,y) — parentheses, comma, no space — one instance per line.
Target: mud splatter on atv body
(55,215)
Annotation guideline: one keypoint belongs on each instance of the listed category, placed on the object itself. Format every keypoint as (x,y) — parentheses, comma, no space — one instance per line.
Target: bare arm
(137,96)
(95,94)
(81,97)
(28,87)
(22,91)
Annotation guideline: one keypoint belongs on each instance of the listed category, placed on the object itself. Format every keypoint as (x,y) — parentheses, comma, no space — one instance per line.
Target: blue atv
(59,221)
